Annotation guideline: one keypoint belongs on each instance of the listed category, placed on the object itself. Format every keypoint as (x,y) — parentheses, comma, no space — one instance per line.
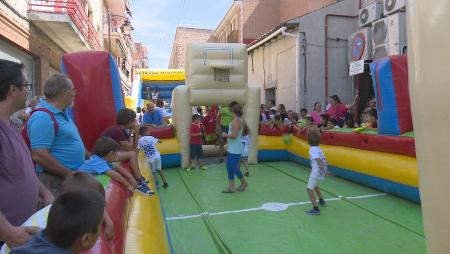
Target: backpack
(24,129)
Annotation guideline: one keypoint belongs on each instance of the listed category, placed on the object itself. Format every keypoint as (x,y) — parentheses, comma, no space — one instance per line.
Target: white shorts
(155,164)
(313,177)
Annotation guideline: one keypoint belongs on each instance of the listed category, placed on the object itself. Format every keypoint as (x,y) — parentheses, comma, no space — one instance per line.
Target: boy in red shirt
(209,126)
(196,144)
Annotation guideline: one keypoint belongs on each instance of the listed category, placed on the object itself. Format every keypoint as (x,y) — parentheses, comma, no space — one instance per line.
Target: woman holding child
(235,148)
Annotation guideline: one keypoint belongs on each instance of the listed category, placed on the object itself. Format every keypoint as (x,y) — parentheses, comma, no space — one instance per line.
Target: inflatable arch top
(215,74)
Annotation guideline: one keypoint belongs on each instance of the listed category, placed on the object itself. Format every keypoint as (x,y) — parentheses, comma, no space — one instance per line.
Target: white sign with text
(356,67)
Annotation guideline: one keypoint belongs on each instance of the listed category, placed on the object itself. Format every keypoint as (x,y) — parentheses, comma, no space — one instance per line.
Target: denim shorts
(196,151)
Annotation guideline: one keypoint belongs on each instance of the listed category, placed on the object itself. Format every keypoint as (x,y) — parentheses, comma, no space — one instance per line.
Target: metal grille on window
(221,75)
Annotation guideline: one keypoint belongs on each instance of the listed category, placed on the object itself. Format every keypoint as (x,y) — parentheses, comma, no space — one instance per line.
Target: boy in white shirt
(318,171)
(147,143)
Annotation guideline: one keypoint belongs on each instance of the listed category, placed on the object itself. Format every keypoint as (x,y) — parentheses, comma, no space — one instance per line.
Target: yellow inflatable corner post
(428,60)
(216,74)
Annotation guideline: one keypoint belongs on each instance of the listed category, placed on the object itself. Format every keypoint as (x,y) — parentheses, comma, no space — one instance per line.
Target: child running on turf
(196,149)
(105,153)
(318,171)
(246,141)
(147,143)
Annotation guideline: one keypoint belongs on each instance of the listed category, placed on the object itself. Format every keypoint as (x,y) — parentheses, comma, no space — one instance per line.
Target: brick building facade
(22,41)
(38,33)
(183,36)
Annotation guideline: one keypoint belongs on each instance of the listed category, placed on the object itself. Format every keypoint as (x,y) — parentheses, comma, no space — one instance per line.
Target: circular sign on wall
(358,46)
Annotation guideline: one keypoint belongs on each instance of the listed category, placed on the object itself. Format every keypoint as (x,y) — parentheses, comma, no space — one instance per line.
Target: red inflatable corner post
(99,94)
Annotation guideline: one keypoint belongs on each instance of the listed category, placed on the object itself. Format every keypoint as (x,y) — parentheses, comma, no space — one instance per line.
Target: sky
(155,22)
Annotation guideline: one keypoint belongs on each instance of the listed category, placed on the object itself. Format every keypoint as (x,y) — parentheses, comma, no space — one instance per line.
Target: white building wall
(273,66)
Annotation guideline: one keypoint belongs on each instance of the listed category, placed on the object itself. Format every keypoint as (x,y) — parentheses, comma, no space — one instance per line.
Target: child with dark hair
(372,120)
(318,171)
(73,224)
(209,126)
(105,153)
(196,148)
(302,116)
(276,122)
(309,125)
(73,182)
(325,123)
(272,113)
(147,143)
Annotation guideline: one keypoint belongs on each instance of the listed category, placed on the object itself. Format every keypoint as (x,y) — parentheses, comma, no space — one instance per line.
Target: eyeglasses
(29,86)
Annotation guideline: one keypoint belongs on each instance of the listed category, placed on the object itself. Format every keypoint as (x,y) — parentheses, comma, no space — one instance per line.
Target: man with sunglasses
(19,186)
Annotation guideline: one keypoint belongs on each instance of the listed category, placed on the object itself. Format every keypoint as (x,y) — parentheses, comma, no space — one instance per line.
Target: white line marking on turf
(271,206)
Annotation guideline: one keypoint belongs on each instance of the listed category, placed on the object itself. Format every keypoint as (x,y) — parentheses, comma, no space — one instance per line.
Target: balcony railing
(233,37)
(76,11)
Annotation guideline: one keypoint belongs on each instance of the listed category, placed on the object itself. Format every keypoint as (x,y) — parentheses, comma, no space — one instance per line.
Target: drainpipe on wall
(297,65)
(109,31)
(302,41)
(326,47)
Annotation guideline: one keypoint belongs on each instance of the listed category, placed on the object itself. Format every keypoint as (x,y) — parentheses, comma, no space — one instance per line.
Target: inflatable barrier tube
(371,142)
(163,133)
(170,152)
(391,173)
(146,231)
(118,205)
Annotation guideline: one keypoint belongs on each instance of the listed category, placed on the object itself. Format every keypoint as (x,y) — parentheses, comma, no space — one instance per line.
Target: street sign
(356,67)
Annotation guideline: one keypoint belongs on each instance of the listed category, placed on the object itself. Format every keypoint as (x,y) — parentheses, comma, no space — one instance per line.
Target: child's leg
(319,194)
(238,173)
(312,184)
(157,164)
(163,176)
(195,162)
(246,165)
(132,159)
(312,198)
(230,172)
(153,170)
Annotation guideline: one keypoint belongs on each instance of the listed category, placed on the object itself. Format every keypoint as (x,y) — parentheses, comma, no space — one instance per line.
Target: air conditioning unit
(370,13)
(392,6)
(360,45)
(389,35)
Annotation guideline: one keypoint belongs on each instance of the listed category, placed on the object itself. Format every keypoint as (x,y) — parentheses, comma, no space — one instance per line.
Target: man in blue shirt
(153,117)
(57,151)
